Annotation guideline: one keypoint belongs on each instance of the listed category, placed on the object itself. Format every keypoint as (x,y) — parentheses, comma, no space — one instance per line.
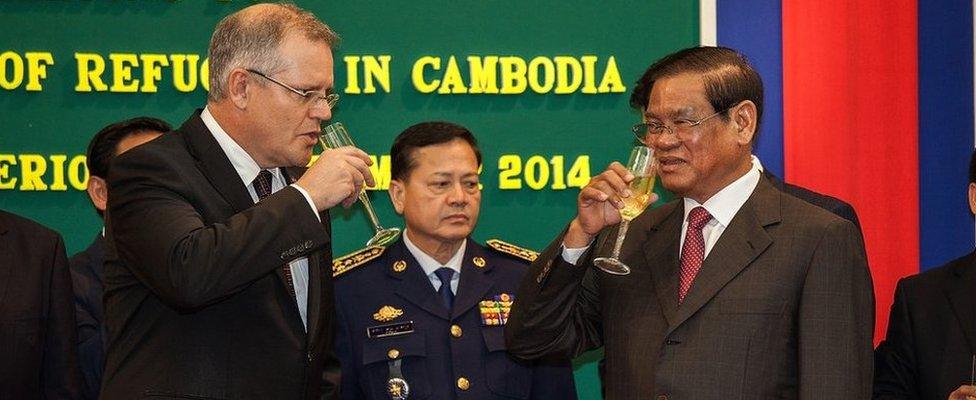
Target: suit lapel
(742,241)
(413,284)
(214,164)
(475,282)
(962,298)
(661,252)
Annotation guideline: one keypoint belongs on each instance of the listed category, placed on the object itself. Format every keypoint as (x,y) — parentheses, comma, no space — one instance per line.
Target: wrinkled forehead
(677,96)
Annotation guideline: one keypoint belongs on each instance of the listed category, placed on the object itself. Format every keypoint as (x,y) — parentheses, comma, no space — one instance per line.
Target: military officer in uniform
(425,317)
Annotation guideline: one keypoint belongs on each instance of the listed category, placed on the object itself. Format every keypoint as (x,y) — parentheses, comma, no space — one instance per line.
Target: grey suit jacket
(783,307)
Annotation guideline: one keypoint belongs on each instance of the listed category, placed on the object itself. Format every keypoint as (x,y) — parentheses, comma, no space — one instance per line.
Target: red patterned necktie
(693,252)
(262,186)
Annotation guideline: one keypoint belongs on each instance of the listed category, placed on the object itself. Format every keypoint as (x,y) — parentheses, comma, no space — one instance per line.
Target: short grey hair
(250,38)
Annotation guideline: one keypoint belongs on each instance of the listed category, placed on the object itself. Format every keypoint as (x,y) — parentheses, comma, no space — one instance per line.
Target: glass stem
(369,211)
(621,234)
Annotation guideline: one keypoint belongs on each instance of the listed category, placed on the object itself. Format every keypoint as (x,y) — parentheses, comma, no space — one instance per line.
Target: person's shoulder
(505,251)
(27,228)
(934,277)
(809,214)
(345,268)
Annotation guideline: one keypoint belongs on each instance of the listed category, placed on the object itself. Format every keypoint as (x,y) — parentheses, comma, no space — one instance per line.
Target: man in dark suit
(929,350)
(425,318)
(737,290)
(217,282)
(37,320)
(87,276)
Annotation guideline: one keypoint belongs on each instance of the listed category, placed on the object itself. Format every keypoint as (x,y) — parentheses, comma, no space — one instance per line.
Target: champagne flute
(334,136)
(643,166)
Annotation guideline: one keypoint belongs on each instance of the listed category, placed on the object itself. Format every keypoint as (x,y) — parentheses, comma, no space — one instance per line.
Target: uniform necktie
(262,186)
(693,252)
(447,296)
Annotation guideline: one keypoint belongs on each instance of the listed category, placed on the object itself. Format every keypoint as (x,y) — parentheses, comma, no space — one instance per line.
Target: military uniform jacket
(444,354)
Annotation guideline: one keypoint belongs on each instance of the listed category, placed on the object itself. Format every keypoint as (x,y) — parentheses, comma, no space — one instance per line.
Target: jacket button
(463,384)
(393,353)
(456,331)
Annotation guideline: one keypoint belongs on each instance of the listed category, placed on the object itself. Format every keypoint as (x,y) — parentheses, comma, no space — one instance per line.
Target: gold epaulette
(347,262)
(513,250)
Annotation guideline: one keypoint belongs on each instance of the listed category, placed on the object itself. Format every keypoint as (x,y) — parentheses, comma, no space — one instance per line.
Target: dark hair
(104,146)
(972,168)
(422,135)
(727,75)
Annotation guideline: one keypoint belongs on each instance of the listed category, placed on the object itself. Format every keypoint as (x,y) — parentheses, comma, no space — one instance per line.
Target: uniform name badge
(495,312)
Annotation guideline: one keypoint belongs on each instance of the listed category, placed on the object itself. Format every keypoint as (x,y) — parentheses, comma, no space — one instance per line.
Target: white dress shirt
(248,170)
(722,206)
(430,265)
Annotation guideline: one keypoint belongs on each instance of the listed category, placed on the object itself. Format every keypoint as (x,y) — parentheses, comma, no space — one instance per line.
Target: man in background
(87,274)
(425,317)
(930,348)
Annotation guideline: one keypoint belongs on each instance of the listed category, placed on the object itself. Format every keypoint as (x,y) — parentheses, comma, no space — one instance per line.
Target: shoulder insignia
(347,262)
(512,250)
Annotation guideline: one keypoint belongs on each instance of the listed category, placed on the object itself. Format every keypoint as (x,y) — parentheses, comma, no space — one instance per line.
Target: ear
(972,197)
(397,194)
(238,85)
(744,117)
(98,192)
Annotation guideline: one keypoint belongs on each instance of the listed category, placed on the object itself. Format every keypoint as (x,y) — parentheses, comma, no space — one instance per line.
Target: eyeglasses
(682,128)
(313,97)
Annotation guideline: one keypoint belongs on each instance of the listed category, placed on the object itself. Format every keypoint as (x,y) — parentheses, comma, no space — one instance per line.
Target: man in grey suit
(737,290)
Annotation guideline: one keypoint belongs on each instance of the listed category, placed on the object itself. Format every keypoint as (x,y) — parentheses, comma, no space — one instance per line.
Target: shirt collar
(428,263)
(726,203)
(245,166)
(756,163)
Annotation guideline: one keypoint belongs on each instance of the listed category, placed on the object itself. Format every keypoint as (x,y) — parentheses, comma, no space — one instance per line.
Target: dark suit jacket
(782,307)
(931,339)
(37,319)
(87,278)
(432,357)
(195,298)
(837,206)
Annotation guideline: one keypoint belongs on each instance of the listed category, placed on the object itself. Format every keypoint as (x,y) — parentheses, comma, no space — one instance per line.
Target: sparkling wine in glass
(335,136)
(643,166)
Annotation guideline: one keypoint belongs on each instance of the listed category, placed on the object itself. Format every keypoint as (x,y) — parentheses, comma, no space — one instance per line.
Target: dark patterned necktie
(262,186)
(693,252)
(447,296)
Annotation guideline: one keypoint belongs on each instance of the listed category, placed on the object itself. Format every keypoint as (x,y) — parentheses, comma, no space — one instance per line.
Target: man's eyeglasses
(313,97)
(682,127)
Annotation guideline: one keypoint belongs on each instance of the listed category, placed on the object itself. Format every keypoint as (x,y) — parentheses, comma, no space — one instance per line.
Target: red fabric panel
(850,94)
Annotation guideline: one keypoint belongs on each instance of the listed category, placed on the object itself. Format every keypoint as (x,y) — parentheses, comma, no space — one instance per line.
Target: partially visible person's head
(111,141)
(972,183)
(271,67)
(435,183)
(702,108)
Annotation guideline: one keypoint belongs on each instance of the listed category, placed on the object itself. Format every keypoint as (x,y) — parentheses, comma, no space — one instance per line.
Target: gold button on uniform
(463,383)
(456,331)
(393,353)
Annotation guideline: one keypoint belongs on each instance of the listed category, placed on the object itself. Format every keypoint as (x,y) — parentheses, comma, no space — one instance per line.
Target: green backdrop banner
(543,85)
